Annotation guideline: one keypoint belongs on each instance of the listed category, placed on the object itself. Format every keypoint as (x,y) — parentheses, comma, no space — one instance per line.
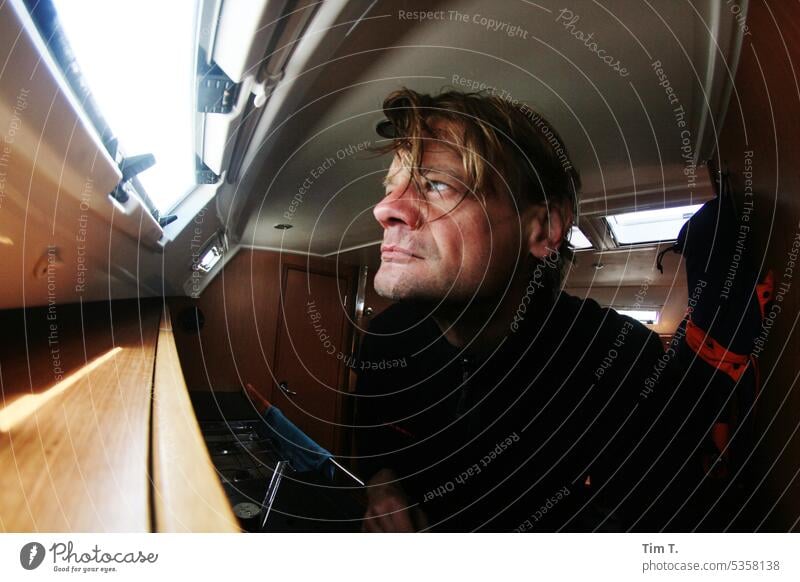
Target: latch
(263,89)
(131,166)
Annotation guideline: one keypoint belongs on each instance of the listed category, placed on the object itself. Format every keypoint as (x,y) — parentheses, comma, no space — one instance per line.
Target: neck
(484,323)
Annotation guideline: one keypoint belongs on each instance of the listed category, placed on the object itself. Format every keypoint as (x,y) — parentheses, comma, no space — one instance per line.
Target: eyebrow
(454,171)
(390,175)
(450,172)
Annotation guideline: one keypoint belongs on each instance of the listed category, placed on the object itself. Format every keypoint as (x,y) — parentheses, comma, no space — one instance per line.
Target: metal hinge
(216,92)
(203,174)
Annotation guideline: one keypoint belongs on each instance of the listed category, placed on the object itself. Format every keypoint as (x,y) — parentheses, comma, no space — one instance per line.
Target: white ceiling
(622,132)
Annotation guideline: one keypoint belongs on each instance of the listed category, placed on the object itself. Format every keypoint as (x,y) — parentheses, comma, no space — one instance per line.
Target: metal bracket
(216,92)
(204,174)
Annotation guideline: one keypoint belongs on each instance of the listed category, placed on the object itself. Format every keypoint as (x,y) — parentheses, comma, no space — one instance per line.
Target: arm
(388,508)
(260,403)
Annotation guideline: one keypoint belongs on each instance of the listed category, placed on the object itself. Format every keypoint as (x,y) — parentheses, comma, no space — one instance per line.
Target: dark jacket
(552,432)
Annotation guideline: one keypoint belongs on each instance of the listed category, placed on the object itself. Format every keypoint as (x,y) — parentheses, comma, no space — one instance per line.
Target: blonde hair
(501,144)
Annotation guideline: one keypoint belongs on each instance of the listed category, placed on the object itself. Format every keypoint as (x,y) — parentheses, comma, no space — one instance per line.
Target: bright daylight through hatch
(138,60)
(662,224)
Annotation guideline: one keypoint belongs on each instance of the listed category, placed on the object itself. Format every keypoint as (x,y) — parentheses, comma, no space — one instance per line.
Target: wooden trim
(187,493)
(73,455)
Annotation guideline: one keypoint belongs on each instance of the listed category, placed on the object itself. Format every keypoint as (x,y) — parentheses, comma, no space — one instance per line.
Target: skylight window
(578,239)
(646,226)
(138,61)
(646,316)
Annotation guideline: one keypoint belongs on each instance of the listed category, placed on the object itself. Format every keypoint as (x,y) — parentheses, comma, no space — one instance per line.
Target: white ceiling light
(646,226)
(578,239)
(138,60)
(210,254)
(646,316)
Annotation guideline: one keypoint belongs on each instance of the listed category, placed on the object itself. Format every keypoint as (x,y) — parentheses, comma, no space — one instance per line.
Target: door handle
(286,390)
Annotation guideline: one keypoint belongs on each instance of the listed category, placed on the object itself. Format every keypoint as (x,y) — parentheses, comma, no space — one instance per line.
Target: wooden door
(312,351)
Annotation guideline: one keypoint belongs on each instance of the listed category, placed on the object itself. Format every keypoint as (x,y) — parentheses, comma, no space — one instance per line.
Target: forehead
(441,143)
(435,155)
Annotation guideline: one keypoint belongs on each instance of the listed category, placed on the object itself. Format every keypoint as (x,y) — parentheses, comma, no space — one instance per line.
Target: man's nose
(400,207)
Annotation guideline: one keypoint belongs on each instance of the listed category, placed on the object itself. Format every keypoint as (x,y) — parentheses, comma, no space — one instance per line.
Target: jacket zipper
(466,369)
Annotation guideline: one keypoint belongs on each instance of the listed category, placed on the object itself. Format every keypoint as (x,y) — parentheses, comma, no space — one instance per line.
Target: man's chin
(397,287)
(388,289)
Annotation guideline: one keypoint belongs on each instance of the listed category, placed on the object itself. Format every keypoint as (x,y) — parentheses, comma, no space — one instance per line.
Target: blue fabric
(297,447)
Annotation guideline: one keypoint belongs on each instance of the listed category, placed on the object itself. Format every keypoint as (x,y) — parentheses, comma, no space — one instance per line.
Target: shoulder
(609,327)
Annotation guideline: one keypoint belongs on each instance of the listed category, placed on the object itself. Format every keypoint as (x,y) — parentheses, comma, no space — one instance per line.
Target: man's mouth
(397,254)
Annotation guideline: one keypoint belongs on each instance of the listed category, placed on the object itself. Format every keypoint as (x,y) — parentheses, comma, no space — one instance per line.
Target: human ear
(547,227)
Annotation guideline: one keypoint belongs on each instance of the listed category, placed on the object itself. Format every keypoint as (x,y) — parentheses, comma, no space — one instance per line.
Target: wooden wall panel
(237,342)
(314,337)
(764,118)
(241,307)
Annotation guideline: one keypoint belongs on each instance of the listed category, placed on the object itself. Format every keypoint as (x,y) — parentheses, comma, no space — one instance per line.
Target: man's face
(430,254)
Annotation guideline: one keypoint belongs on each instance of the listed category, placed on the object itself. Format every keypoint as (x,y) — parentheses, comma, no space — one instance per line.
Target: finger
(397,520)
(389,516)
(419,518)
(402,521)
(371,523)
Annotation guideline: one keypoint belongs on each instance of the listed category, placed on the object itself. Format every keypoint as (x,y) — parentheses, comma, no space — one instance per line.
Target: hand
(388,507)
(261,403)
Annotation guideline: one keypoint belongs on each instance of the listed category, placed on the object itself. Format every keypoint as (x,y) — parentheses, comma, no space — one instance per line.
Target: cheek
(451,240)
(477,248)
(499,252)
(467,245)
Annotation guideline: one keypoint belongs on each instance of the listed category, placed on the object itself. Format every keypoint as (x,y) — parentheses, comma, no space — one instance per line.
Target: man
(489,400)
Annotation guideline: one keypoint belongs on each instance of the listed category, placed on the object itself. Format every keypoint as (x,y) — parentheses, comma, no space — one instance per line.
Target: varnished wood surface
(237,343)
(79,462)
(312,351)
(188,496)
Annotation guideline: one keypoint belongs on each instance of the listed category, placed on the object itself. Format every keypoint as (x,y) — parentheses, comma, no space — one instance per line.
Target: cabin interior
(136,307)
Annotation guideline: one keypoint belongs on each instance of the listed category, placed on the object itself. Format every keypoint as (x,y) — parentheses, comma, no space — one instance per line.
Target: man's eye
(437,186)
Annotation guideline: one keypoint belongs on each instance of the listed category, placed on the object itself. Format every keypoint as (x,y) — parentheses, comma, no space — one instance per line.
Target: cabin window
(137,60)
(646,316)
(662,224)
